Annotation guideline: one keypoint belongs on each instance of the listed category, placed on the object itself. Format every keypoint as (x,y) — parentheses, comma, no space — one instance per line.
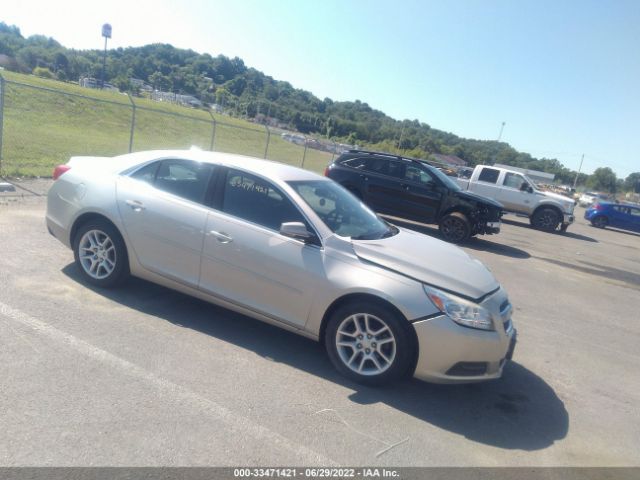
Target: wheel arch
(88,217)
(368,297)
(552,206)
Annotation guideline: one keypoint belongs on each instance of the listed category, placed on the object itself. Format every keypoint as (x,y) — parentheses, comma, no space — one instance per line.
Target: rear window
(489,175)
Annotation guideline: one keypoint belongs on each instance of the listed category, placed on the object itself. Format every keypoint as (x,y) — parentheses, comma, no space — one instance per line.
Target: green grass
(43,128)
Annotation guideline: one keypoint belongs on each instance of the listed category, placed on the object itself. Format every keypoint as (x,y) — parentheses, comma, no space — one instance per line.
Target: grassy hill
(47,121)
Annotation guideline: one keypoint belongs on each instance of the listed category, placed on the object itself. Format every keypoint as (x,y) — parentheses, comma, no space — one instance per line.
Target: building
(90,82)
(141,84)
(535,175)
(185,100)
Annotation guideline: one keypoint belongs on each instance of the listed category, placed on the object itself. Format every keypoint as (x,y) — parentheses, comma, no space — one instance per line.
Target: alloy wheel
(97,254)
(365,344)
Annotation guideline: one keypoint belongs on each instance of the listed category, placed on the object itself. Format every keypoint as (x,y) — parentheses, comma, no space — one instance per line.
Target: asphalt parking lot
(143,376)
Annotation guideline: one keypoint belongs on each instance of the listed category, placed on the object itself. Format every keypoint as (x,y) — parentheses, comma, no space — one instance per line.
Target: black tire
(105,275)
(600,221)
(546,219)
(402,359)
(454,227)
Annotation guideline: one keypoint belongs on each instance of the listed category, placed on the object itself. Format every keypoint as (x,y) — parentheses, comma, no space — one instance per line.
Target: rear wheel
(600,222)
(454,227)
(100,254)
(546,219)
(369,343)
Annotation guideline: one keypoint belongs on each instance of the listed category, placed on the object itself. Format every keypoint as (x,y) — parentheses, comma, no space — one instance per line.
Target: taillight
(597,206)
(59,170)
(326,171)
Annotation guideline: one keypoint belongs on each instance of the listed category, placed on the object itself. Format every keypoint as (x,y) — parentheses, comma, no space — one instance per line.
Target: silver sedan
(290,248)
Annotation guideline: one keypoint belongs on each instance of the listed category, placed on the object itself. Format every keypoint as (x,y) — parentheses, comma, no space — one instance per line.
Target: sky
(564,76)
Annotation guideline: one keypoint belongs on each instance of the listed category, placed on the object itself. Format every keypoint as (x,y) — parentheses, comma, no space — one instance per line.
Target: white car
(589,198)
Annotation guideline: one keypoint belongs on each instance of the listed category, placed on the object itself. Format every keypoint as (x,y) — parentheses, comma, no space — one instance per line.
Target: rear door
(163,212)
(487,183)
(617,215)
(634,214)
(380,188)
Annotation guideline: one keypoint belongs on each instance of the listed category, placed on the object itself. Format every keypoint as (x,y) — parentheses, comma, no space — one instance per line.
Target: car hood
(430,261)
(558,197)
(479,198)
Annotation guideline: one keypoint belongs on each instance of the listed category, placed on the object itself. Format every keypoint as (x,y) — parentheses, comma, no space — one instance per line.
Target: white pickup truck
(519,195)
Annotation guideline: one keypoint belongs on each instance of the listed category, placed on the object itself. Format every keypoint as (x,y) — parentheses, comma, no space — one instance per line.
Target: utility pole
(575,182)
(501,130)
(401,134)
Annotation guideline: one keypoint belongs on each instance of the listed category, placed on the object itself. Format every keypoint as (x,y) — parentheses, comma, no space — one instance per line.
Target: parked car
(411,189)
(291,248)
(589,198)
(519,194)
(618,215)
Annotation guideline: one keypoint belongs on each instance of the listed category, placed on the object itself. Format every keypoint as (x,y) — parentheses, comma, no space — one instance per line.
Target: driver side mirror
(298,231)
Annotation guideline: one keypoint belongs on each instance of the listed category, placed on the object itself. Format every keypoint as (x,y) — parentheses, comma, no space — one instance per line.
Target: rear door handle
(406,187)
(135,205)
(221,236)
(364,177)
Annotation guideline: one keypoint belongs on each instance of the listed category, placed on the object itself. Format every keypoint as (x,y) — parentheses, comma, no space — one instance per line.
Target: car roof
(267,168)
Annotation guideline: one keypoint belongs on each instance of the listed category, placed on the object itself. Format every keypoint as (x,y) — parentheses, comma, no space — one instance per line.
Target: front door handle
(221,236)
(135,205)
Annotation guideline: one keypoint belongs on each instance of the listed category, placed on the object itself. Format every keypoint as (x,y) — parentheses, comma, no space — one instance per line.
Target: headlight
(569,206)
(463,312)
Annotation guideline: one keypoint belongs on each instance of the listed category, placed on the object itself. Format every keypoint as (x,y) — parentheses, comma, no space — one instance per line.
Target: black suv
(412,189)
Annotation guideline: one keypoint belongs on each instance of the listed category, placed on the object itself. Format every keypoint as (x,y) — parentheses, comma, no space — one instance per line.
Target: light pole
(106,33)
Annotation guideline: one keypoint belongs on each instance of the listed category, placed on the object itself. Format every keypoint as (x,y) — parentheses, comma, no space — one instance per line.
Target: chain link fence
(44,123)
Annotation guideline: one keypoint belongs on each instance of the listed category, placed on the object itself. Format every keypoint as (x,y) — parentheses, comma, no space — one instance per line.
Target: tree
(43,72)
(632,182)
(602,179)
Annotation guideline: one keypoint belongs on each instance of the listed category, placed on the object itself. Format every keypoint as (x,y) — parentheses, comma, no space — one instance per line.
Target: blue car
(618,215)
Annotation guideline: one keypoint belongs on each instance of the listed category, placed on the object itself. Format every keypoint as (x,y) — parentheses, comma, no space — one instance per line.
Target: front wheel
(454,227)
(100,254)
(369,343)
(546,219)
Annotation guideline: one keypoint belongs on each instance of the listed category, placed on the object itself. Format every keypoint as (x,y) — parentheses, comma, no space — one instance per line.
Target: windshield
(341,211)
(533,184)
(448,182)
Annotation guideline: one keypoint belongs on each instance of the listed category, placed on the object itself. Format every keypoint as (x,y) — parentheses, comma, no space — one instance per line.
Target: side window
(357,163)
(489,175)
(377,165)
(397,169)
(253,199)
(184,178)
(415,174)
(513,180)
(147,173)
(634,211)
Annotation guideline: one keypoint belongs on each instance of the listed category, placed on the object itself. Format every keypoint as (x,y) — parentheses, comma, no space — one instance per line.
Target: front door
(247,262)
